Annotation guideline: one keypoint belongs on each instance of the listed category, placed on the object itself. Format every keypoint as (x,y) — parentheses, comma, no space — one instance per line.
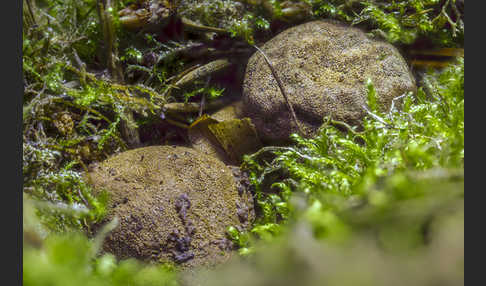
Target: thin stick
(82,66)
(282,90)
(129,133)
(31,11)
(194,107)
(203,97)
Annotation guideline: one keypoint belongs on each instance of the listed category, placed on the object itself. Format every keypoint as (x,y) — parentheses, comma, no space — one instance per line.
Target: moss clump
(173,203)
(402,169)
(73,111)
(402,21)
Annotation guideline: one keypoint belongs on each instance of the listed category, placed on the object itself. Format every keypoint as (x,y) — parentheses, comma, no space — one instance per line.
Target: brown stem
(203,98)
(30,6)
(194,107)
(282,90)
(129,133)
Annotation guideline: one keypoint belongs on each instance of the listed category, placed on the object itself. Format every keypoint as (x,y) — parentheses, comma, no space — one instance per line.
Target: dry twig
(282,90)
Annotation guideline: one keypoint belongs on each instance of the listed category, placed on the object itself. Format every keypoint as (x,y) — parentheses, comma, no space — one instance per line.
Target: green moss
(71,116)
(393,161)
(400,21)
(71,206)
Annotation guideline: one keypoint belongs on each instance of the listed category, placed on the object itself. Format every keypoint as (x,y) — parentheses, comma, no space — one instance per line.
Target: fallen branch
(198,73)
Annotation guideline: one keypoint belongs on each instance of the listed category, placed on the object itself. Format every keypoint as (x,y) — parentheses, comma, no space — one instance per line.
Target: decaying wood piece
(436,58)
(199,73)
(195,27)
(224,136)
(194,107)
(202,139)
(237,137)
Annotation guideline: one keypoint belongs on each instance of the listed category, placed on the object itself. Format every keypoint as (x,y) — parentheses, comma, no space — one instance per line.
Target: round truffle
(173,204)
(324,67)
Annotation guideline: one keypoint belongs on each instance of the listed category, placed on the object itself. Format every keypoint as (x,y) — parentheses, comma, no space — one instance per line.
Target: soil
(173,204)
(324,67)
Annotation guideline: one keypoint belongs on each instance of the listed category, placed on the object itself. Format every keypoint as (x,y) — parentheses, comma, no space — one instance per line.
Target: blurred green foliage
(298,258)
(70,259)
